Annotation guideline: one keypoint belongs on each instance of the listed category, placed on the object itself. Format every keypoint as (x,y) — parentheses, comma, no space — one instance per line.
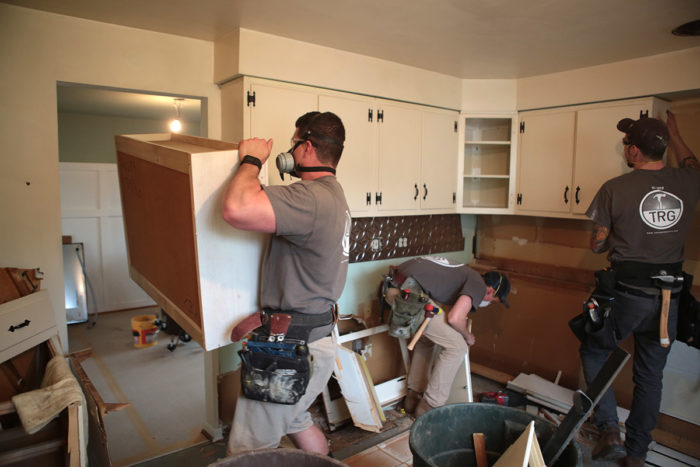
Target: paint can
(144,330)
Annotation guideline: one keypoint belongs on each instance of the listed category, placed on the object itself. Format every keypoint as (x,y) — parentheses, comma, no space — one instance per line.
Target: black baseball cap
(648,134)
(500,283)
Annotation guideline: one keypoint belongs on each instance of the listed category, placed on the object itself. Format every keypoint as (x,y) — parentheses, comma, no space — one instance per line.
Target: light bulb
(175,126)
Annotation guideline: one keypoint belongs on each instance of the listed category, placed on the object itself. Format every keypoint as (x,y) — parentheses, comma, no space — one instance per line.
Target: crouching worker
(303,274)
(452,290)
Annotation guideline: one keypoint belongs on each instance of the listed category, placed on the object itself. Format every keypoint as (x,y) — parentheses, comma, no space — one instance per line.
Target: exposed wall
(657,74)
(489,95)
(38,50)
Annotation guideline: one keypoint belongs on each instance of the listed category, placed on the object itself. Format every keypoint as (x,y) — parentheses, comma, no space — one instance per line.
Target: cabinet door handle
(369,198)
(425,192)
(566,195)
(415,197)
(21,325)
(578,189)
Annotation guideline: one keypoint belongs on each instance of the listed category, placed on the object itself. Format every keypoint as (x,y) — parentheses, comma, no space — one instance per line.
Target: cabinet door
(599,151)
(273,115)
(357,170)
(439,151)
(545,162)
(399,157)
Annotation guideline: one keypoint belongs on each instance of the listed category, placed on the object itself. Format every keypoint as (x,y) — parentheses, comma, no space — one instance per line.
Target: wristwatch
(252,160)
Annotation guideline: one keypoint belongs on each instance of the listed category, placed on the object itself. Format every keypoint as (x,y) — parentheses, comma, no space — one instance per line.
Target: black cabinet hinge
(369,198)
(251,99)
(378,198)
(522,127)
(644,113)
(454,197)
(370,115)
(380,115)
(455,126)
(520,198)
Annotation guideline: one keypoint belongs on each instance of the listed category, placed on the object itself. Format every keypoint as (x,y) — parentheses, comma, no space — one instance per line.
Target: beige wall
(653,75)
(253,53)
(39,49)
(489,95)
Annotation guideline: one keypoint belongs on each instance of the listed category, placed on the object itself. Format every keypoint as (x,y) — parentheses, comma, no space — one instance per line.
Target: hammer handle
(419,333)
(663,325)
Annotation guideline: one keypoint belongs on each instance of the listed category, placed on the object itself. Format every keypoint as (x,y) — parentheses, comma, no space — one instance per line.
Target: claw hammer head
(665,280)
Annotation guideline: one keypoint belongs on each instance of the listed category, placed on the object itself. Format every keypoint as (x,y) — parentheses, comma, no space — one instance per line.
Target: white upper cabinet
(566,154)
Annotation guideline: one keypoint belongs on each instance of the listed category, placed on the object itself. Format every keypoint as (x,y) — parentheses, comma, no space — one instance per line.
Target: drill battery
(500,398)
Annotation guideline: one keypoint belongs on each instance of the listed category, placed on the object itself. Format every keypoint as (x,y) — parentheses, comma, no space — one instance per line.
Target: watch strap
(252,160)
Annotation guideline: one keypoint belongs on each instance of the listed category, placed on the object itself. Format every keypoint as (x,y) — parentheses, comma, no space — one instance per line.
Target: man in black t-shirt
(642,219)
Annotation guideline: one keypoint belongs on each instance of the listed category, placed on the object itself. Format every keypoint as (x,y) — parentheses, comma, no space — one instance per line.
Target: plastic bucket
(443,436)
(281,457)
(144,330)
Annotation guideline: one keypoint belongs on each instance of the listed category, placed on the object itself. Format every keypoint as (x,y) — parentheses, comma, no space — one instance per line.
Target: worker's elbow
(231,214)
(453,320)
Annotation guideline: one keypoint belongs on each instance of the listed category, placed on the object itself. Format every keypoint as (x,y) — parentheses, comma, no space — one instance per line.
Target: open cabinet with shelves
(486,163)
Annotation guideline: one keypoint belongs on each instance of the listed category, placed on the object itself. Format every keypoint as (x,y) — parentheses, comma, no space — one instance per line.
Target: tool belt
(275,360)
(407,310)
(688,315)
(596,323)
(639,274)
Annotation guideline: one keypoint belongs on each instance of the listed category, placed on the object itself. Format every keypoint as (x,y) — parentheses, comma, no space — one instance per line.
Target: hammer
(666,282)
(430,311)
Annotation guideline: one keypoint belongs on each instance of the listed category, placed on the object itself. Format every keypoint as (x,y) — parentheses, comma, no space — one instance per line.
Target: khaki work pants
(453,347)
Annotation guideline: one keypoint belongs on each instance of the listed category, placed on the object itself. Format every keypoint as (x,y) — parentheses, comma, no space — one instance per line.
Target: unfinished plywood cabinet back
(198,269)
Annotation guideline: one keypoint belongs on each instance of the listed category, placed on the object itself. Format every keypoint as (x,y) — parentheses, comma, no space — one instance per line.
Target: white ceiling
(481,39)
(464,38)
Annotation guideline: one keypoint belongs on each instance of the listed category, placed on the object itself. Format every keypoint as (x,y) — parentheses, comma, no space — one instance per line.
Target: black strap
(639,273)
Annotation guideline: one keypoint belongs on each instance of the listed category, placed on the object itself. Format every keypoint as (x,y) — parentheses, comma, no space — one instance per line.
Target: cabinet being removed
(200,270)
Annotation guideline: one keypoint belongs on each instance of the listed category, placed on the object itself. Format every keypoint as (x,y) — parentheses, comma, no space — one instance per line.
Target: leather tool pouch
(407,311)
(275,372)
(688,315)
(596,323)
(275,362)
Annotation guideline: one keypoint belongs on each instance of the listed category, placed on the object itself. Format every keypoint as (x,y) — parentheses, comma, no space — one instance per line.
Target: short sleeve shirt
(445,280)
(306,263)
(648,213)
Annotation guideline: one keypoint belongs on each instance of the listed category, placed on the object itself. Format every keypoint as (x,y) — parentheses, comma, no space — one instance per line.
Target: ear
(490,293)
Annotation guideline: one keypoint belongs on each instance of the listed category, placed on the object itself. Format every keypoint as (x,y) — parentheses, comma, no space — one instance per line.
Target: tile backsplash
(375,238)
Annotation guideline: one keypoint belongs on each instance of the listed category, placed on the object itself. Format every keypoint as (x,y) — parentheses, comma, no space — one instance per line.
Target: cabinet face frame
(498,190)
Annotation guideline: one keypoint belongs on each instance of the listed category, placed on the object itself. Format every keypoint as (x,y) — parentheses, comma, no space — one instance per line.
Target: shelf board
(502,143)
(487,176)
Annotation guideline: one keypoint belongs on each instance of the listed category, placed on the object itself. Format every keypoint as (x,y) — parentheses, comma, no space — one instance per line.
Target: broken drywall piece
(542,391)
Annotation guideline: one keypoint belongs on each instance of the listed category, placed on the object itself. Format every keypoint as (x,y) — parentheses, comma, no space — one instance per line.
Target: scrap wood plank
(542,391)
(357,390)
(480,450)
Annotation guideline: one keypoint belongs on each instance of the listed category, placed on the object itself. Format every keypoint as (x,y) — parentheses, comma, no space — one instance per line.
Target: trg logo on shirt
(660,209)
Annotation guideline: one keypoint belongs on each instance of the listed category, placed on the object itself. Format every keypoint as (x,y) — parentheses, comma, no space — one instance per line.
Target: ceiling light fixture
(176,125)
(688,29)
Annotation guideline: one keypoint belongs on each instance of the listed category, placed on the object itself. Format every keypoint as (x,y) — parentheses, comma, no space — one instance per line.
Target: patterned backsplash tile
(375,238)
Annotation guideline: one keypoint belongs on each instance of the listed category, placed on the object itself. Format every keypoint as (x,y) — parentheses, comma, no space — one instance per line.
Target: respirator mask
(286,165)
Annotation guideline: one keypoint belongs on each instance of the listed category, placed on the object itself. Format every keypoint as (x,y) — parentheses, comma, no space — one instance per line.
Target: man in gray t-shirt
(304,268)
(457,289)
(642,219)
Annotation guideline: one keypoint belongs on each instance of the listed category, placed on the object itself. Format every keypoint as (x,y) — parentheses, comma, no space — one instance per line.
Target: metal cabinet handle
(425,195)
(415,197)
(566,195)
(578,189)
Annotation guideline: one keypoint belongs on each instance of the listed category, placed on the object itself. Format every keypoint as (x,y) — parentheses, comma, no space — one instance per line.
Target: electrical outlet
(402,242)
(376,244)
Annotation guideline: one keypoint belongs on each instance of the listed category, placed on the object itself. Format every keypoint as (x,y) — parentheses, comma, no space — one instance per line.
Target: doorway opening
(164,387)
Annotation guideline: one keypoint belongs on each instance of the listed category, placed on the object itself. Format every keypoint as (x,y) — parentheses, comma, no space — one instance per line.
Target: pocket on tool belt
(407,314)
(269,377)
